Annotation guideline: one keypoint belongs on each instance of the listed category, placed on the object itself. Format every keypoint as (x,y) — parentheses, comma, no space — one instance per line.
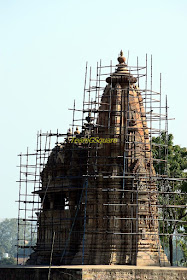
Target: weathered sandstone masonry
(92,273)
(96,196)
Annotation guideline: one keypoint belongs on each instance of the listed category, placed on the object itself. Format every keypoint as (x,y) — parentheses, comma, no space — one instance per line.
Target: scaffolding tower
(77,188)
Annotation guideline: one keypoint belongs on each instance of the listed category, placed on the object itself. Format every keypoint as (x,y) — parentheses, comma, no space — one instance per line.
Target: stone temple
(99,192)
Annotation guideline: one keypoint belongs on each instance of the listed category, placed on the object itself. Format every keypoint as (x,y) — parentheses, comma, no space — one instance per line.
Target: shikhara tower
(100,201)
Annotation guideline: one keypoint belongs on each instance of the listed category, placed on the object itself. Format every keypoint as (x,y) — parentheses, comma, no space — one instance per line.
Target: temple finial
(121,58)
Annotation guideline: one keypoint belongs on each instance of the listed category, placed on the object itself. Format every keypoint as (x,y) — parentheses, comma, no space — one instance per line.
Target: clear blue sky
(44,46)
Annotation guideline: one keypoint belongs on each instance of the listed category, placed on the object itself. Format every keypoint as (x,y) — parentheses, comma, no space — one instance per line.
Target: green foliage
(164,149)
(173,164)
(183,244)
(9,235)
(7,261)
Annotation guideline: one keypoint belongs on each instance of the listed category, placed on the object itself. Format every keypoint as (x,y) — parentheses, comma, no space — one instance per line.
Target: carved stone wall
(100,200)
(90,273)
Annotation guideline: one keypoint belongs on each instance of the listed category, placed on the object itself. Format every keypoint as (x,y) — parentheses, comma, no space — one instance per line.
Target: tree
(173,164)
(9,235)
(7,261)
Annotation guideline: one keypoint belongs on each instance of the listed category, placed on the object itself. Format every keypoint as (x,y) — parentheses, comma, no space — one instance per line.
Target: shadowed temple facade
(98,193)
